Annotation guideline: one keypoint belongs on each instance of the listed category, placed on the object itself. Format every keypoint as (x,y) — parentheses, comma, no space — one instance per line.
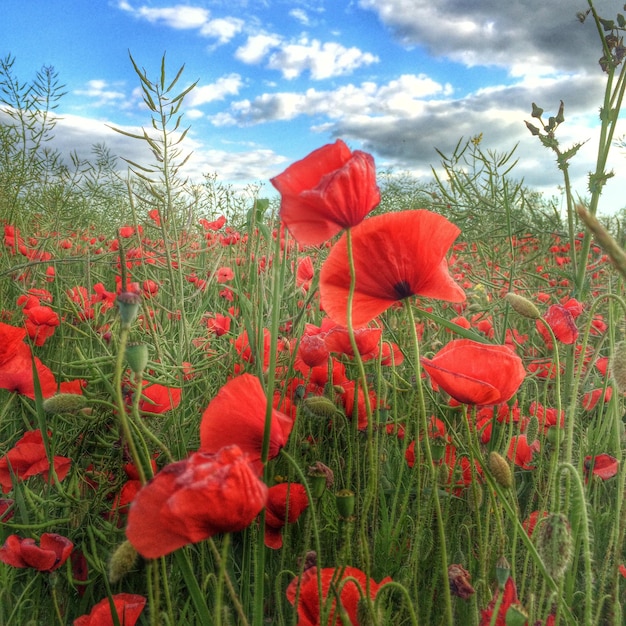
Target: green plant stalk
(197,596)
(447,599)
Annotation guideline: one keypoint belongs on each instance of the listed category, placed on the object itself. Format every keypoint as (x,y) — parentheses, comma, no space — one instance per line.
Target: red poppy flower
(194,499)
(159,399)
(312,350)
(28,458)
(396,255)
(561,321)
(304,590)
(237,416)
(327,191)
(128,607)
(285,503)
(6,509)
(591,398)
(509,597)
(476,373)
(338,340)
(521,452)
(304,273)
(52,552)
(603,466)
(40,322)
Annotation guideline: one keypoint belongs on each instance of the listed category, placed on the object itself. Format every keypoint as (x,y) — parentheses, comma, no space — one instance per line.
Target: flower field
(362,403)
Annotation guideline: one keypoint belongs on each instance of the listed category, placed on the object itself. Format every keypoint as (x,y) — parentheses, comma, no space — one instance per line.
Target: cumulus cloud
(224,86)
(256,48)
(531,37)
(185,17)
(101,93)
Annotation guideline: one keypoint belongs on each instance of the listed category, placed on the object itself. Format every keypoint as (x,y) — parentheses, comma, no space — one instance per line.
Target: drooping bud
(523,306)
(64,403)
(500,469)
(122,561)
(555,544)
(319,406)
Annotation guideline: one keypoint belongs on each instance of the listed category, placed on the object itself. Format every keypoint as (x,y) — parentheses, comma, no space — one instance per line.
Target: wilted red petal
(327,191)
(476,373)
(396,255)
(194,499)
(237,416)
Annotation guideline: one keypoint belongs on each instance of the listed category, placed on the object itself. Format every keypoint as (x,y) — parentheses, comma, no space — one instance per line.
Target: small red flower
(561,321)
(128,607)
(156,398)
(237,416)
(603,466)
(52,552)
(396,256)
(285,503)
(304,590)
(476,373)
(521,452)
(28,458)
(40,322)
(194,499)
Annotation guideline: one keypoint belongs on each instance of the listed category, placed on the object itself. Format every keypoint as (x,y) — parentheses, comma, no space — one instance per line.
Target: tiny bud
(128,304)
(122,561)
(345,500)
(64,403)
(523,306)
(537,111)
(559,116)
(500,470)
(533,129)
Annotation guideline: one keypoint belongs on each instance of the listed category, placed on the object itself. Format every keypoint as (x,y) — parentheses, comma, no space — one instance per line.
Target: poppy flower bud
(555,544)
(64,403)
(532,430)
(516,616)
(618,366)
(122,561)
(500,470)
(503,571)
(523,306)
(319,406)
(128,304)
(137,357)
(345,500)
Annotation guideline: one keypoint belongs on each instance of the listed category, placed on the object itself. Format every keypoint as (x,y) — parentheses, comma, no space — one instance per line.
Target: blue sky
(277,79)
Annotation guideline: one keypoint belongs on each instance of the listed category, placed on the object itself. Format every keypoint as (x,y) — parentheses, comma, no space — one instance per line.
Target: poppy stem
(430,467)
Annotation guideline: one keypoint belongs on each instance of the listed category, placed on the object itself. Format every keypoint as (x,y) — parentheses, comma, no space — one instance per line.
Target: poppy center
(403,289)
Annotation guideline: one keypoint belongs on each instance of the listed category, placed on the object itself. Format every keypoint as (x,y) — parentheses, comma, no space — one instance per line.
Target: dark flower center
(403,289)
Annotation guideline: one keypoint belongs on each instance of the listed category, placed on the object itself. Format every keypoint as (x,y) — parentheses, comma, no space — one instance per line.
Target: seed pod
(345,503)
(500,470)
(128,304)
(555,544)
(618,366)
(503,571)
(516,615)
(122,561)
(137,357)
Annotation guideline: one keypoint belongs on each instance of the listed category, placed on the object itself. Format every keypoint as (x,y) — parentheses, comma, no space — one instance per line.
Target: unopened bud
(122,561)
(500,470)
(618,366)
(555,545)
(319,406)
(523,306)
(532,430)
(64,403)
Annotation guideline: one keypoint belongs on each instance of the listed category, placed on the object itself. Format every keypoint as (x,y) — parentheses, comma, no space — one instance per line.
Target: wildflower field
(372,401)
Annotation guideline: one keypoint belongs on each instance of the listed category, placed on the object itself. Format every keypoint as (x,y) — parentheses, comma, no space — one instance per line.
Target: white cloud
(256,48)
(321,60)
(300,16)
(224,86)
(101,93)
(185,17)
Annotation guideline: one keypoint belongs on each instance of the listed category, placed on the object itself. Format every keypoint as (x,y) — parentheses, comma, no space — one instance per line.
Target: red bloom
(561,321)
(52,552)
(327,191)
(396,255)
(237,416)
(28,458)
(128,607)
(312,350)
(509,597)
(41,322)
(521,452)
(285,503)
(304,273)
(194,499)
(591,398)
(476,373)
(349,593)
(604,466)
(157,398)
